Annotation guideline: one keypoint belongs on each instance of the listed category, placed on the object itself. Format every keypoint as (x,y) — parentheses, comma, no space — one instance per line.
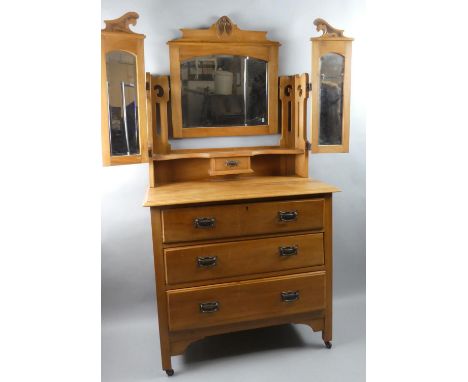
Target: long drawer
(234,220)
(214,261)
(245,301)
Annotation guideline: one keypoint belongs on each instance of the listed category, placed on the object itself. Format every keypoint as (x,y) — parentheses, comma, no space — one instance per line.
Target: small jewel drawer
(230,165)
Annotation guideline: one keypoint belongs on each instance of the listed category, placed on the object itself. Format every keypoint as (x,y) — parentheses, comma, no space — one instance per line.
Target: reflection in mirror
(331,99)
(122,98)
(222,90)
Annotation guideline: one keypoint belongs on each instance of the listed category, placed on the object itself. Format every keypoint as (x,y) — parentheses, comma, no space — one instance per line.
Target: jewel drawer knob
(232,163)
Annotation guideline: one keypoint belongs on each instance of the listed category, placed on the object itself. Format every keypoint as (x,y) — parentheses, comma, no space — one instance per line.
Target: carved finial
(327,29)
(122,23)
(224,25)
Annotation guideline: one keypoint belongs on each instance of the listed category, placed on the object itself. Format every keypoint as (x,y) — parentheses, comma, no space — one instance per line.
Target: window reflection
(224,90)
(331,99)
(122,98)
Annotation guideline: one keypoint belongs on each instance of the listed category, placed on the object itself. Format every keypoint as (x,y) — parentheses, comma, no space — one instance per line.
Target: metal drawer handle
(290,296)
(232,163)
(287,216)
(204,222)
(207,261)
(209,307)
(291,250)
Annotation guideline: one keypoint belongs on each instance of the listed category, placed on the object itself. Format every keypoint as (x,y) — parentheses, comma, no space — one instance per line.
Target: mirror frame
(332,41)
(118,37)
(223,38)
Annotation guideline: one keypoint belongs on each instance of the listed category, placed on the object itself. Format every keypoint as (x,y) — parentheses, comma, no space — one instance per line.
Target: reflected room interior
(331,99)
(224,90)
(122,98)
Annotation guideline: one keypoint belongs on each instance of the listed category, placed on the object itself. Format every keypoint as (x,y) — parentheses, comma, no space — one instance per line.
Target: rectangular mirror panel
(224,90)
(122,103)
(331,99)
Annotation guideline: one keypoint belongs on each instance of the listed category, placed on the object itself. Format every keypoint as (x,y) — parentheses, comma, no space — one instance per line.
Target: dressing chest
(242,237)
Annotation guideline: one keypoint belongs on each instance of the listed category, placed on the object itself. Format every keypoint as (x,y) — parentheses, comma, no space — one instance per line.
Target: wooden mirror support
(223,38)
(331,83)
(117,39)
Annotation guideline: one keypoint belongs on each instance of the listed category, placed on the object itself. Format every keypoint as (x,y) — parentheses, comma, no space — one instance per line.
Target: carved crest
(122,24)
(224,25)
(327,29)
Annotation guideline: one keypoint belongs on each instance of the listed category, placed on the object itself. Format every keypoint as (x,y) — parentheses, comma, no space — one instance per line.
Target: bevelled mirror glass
(331,99)
(224,90)
(122,103)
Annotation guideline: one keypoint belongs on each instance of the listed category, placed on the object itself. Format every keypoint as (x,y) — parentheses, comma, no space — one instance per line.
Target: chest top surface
(247,188)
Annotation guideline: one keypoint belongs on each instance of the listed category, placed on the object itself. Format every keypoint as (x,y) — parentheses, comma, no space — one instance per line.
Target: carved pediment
(223,30)
(328,32)
(122,24)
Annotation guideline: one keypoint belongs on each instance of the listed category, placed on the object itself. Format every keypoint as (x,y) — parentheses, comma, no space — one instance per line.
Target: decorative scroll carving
(224,28)
(122,24)
(327,29)
(224,25)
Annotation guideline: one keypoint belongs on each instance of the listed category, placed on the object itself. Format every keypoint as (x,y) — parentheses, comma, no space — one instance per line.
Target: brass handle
(287,216)
(207,261)
(290,296)
(209,307)
(204,222)
(291,250)
(232,163)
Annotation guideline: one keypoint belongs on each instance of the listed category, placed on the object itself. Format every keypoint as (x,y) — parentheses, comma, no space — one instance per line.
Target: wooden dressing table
(242,237)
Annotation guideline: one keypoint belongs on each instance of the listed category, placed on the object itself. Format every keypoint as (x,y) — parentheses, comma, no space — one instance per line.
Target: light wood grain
(231,152)
(132,43)
(231,190)
(327,332)
(183,338)
(242,258)
(231,34)
(320,47)
(244,219)
(232,41)
(160,291)
(245,301)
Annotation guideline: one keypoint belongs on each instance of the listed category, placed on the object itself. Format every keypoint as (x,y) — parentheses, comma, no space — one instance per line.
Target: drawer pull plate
(287,216)
(204,222)
(207,261)
(291,250)
(290,296)
(231,163)
(209,307)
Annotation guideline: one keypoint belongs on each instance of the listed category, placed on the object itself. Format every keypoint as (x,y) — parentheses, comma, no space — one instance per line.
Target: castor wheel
(328,344)
(169,372)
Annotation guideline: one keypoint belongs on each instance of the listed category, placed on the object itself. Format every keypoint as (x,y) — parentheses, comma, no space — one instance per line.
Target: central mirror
(224,90)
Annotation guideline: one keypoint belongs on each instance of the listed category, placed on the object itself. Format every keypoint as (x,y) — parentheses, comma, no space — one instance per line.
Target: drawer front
(245,301)
(213,222)
(213,261)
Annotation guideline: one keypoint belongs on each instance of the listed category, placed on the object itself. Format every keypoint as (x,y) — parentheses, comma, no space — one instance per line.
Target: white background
(416,182)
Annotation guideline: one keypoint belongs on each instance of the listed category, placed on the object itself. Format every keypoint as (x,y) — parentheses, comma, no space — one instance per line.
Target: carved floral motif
(224,25)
